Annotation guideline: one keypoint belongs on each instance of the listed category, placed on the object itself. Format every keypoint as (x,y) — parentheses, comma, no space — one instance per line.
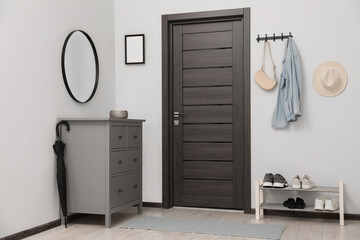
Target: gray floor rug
(264,231)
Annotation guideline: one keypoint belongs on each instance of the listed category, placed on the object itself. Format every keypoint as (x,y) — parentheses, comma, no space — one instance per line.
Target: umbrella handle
(59,124)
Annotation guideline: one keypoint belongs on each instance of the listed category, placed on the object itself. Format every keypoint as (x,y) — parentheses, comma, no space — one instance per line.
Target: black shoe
(290,203)
(268,180)
(300,204)
(279,181)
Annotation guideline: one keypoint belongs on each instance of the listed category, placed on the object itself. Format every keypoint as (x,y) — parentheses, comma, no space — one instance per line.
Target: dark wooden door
(208,114)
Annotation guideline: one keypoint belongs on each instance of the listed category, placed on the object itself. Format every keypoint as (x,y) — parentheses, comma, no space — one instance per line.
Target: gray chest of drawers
(103,158)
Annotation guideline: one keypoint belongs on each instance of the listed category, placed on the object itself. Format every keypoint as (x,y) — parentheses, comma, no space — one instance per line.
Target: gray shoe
(279,181)
(268,180)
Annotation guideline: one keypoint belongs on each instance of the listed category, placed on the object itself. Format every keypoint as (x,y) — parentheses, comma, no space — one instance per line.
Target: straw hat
(330,79)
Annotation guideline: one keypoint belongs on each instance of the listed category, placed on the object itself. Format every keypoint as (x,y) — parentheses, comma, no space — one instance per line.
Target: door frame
(167,125)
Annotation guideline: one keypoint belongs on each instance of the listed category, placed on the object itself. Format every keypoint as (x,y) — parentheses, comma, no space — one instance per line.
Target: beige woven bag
(260,77)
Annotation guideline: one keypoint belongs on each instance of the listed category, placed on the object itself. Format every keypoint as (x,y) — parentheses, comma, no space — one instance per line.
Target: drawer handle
(135,159)
(135,186)
(120,137)
(120,161)
(135,136)
(120,190)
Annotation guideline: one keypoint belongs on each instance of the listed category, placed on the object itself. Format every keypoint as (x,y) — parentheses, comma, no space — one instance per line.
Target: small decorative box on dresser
(103,159)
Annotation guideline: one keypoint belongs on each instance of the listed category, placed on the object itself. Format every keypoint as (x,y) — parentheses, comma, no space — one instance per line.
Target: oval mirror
(80,66)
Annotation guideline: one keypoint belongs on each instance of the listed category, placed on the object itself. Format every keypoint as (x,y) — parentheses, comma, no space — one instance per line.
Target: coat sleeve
(279,118)
(298,94)
(294,91)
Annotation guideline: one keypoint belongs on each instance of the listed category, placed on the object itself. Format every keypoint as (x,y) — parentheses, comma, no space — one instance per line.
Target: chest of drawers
(103,159)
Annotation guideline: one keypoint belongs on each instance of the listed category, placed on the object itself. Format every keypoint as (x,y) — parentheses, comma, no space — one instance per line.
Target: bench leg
(257,201)
(341,203)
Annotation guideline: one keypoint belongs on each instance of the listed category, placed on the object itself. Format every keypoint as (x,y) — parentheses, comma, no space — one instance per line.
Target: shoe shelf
(260,205)
(315,189)
(280,207)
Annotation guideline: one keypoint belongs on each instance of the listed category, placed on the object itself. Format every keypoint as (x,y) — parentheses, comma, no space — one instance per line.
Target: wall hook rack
(273,37)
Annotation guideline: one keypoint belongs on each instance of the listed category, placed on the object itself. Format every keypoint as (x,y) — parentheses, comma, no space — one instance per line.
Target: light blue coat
(288,107)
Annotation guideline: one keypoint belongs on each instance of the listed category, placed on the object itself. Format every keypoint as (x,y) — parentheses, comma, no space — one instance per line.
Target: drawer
(123,161)
(125,188)
(133,137)
(118,137)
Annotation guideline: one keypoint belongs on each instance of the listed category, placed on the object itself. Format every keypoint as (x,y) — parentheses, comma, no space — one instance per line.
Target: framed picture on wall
(135,49)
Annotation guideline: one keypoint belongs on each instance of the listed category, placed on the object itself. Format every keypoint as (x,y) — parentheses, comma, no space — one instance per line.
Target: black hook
(273,37)
(62,123)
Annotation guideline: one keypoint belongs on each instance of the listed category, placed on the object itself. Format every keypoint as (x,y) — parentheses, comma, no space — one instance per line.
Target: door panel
(207,147)
(207,151)
(207,58)
(208,170)
(214,188)
(208,201)
(207,77)
(207,95)
(207,27)
(208,114)
(207,40)
(208,133)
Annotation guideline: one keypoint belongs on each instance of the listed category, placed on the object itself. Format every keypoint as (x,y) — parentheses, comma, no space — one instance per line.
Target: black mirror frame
(63,66)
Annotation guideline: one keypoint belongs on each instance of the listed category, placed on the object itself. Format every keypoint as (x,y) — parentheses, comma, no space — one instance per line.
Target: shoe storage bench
(260,205)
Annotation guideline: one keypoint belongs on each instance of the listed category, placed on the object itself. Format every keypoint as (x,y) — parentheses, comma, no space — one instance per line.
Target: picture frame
(135,49)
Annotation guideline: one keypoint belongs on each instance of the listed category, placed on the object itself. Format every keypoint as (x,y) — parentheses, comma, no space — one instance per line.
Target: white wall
(33,96)
(323,143)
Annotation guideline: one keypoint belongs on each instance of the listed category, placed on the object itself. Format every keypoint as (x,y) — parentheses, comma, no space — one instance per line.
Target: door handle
(177,114)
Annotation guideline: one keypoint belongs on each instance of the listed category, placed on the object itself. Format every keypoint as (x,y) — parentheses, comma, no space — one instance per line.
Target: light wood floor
(92,227)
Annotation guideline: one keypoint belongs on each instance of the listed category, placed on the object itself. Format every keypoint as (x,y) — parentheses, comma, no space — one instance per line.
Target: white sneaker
(330,205)
(307,183)
(296,182)
(319,203)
